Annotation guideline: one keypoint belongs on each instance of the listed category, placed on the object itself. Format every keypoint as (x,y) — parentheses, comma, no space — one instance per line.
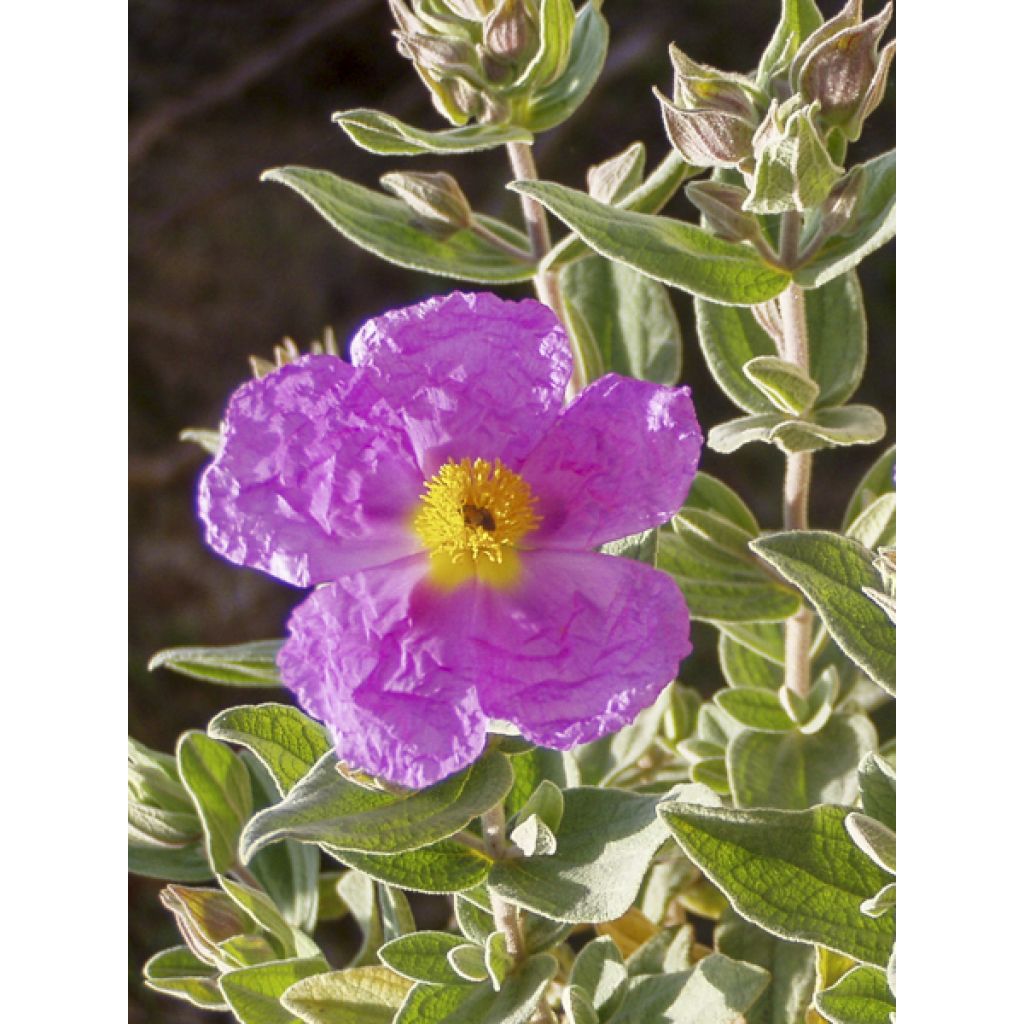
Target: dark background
(222,266)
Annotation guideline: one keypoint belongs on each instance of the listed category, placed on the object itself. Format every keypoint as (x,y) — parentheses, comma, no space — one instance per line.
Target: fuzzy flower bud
(722,207)
(436,197)
(840,67)
(712,118)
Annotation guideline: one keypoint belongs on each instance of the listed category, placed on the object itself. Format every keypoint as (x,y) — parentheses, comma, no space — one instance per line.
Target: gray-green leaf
(360,995)
(327,808)
(388,228)
(254,993)
(797,874)
(388,136)
(630,318)
(252,664)
(859,997)
(832,571)
(668,250)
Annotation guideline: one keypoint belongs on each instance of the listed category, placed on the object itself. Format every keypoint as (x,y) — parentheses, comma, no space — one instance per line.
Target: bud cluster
(784,139)
(483,59)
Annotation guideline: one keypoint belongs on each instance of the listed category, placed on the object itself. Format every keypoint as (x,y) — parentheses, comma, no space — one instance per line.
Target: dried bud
(844,71)
(722,206)
(612,180)
(698,86)
(508,32)
(794,170)
(436,197)
(707,137)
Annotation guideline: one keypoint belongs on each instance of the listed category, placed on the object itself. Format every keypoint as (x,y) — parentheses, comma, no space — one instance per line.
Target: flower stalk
(506,917)
(546,282)
(797,481)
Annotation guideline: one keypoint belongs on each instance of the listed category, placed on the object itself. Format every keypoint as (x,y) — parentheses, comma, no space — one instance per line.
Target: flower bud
(845,73)
(793,169)
(436,197)
(697,86)
(508,33)
(442,55)
(838,207)
(707,137)
(205,918)
(722,207)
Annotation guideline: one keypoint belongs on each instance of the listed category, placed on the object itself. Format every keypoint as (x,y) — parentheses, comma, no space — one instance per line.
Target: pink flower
(446,507)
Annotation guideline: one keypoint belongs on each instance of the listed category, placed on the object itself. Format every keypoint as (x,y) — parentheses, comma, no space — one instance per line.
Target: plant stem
(545,282)
(797,485)
(506,917)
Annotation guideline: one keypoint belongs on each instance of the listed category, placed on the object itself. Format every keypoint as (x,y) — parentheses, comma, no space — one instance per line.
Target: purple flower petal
(472,375)
(315,478)
(619,460)
(581,646)
(366,656)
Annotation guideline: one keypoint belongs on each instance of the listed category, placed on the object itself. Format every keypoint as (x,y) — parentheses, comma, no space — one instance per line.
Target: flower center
(475,513)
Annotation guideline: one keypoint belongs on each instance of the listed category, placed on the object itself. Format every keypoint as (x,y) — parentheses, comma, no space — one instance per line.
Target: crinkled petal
(620,459)
(315,477)
(581,646)
(472,375)
(367,656)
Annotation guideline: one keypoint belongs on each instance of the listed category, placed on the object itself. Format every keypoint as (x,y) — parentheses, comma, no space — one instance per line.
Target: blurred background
(222,266)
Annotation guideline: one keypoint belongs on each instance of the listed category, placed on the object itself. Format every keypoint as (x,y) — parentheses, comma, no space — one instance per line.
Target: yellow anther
(472,517)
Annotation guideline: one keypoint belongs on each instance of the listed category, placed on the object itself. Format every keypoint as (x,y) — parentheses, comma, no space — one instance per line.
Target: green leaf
(797,874)
(765,639)
(577,1006)
(790,964)
(641,547)
(878,841)
(743,667)
(361,995)
(395,913)
(876,525)
(600,972)
(252,664)
(755,708)
(882,902)
(725,438)
(388,228)
(480,1004)
(717,991)
(388,136)
(859,997)
(475,921)
(793,770)
(630,318)
(849,424)
(172,864)
(262,910)
(832,571)
(467,960)
(878,789)
(556,19)
(710,495)
(359,894)
(444,867)
(422,956)
(556,102)
(254,993)
(724,590)
(547,802)
(668,250)
(178,972)
(799,19)
(219,783)
(788,387)
(878,480)
(327,808)
(730,337)
(605,842)
(283,738)
(289,871)
(872,225)
(648,197)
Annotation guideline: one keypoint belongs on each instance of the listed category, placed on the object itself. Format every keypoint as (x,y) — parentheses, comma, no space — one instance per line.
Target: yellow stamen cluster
(475,510)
